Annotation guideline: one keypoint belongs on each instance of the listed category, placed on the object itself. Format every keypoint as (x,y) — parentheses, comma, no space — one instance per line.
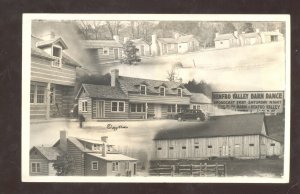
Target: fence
(189,170)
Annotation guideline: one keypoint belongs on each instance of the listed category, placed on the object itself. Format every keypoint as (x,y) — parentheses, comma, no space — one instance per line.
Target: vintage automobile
(191,114)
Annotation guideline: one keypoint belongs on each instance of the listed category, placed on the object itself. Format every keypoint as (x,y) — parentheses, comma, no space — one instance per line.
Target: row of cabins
(90,157)
(136,98)
(242,136)
(236,39)
(53,77)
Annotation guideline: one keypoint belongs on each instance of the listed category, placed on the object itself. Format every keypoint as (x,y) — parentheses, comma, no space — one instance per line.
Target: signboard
(269,102)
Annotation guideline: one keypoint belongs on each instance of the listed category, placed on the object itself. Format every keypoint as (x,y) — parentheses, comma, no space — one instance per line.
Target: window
(94,165)
(96,146)
(272,144)
(40,94)
(84,106)
(194,107)
(57,53)
(179,92)
(137,107)
(172,108)
(159,148)
(171,148)
(35,167)
(251,144)
(105,51)
(143,89)
(52,95)
(183,147)
(118,106)
(115,166)
(210,146)
(196,147)
(126,165)
(162,91)
(179,108)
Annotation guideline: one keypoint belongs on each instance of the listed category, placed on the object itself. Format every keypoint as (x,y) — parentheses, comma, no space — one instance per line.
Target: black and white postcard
(156,98)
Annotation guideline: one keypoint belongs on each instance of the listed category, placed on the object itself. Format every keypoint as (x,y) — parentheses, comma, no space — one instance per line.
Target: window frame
(134,108)
(58,58)
(115,166)
(37,169)
(118,106)
(35,94)
(141,89)
(164,93)
(180,92)
(172,110)
(92,166)
(84,105)
(105,49)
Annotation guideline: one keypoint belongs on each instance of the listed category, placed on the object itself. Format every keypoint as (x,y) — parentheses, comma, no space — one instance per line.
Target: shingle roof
(168,40)
(225,37)
(200,98)
(93,44)
(52,41)
(218,126)
(133,85)
(39,52)
(50,153)
(113,157)
(103,91)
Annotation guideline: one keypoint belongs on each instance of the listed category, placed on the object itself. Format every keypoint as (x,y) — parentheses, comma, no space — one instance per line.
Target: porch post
(48,101)
(146,111)
(176,108)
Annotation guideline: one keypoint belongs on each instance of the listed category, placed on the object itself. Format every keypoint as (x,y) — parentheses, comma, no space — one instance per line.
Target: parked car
(191,114)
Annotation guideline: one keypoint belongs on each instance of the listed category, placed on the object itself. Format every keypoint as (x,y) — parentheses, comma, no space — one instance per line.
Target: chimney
(104,139)
(116,38)
(217,34)
(236,33)
(63,141)
(154,46)
(104,149)
(257,30)
(48,36)
(113,77)
(126,39)
(176,35)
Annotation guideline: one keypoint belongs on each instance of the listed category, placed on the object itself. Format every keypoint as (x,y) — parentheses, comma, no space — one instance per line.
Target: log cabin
(132,98)
(242,136)
(91,158)
(104,51)
(53,77)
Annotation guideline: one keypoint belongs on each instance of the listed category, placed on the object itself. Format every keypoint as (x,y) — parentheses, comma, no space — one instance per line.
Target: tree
(130,53)
(64,165)
(228,28)
(247,27)
(201,87)
(113,27)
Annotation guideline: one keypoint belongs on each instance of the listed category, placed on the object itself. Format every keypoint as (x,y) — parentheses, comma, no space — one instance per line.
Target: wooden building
(199,101)
(104,51)
(132,98)
(229,40)
(53,76)
(91,158)
(239,136)
(143,46)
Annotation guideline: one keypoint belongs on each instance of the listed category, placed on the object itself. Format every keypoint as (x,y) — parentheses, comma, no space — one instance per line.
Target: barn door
(99,109)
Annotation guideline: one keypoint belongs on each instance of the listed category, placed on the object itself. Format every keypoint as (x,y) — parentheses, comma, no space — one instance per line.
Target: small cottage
(142,46)
(227,40)
(242,136)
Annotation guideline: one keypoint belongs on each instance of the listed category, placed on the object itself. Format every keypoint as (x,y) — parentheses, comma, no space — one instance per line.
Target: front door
(116,53)
(134,169)
(99,109)
(142,50)
(157,111)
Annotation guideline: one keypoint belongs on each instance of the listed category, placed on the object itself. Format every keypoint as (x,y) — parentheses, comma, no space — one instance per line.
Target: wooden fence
(189,170)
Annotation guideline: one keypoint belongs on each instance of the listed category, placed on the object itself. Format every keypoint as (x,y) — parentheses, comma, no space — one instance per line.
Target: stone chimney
(126,39)
(217,34)
(176,35)
(63,141)
(104,139)
(113,77)
(154,46)
(257,30)
(116,38)
(48,36)
(104,149)
(236,33)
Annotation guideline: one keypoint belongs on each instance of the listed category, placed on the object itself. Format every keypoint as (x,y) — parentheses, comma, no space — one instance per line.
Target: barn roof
(103,91)
(200,98)
(50,153)
(113,157)
(225,37)
(217,126)
(133,85)
(41,53)
(94,44)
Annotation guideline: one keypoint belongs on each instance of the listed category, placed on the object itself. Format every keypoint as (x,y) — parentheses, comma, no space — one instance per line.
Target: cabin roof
(94,44)
(103,91)
(217,126)
(250,35)
(113,157)
(168,40)
(41,53)
(225,37)
(200,98)
(132,85)
(139,41)
(52,41)
(185,38)
(50,153)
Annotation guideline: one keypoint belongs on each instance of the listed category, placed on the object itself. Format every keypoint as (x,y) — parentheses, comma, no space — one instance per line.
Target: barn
(243,136)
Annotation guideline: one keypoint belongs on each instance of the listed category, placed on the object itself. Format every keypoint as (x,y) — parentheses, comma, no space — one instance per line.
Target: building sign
(270,102)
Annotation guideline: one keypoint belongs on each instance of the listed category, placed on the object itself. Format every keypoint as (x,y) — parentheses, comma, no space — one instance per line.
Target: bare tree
(84,28)
(113,27)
